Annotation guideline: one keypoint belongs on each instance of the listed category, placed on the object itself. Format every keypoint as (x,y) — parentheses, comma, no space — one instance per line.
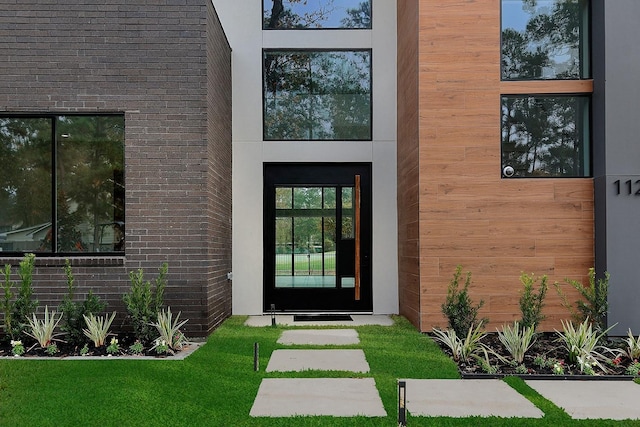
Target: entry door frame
(336,299)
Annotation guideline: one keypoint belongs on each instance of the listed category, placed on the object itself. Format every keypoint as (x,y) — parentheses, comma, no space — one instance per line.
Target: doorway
(317,237)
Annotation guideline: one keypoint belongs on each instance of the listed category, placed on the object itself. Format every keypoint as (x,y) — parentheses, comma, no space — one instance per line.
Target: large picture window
(314,14)
(62,184)
(545,39)
(546,136)
(317,95)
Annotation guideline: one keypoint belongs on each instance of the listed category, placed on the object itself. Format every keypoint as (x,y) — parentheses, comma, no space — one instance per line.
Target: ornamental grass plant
(43,331)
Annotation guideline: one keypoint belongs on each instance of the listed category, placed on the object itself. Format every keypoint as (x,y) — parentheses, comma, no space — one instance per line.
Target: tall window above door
(62,184)
(545,39)
(316,14)
(317,95)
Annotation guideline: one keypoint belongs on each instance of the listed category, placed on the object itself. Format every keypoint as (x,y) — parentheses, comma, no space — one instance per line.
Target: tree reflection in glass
(544,39)
(87,181)
(304,14)
(317,95)
(546,136)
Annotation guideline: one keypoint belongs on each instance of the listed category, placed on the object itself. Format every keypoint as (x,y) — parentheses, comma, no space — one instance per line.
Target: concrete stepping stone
(338,397)
(467,398)
(323,360)
(319,337)
(615,400)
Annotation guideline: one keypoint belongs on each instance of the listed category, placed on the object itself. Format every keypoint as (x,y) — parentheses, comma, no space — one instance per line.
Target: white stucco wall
(242,21)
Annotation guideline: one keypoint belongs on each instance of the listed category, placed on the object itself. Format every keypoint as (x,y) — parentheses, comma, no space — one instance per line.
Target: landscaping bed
(64,350)
(546,359)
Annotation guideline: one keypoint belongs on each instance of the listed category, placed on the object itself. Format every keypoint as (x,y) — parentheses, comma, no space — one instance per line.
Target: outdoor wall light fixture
(402,403)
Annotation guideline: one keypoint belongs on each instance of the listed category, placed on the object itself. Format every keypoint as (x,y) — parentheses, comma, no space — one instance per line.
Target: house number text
(627,188)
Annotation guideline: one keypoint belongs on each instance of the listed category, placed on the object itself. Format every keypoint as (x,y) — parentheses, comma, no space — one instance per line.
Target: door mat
(322,318)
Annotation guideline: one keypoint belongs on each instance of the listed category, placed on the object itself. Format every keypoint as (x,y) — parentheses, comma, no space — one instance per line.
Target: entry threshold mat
(322,318)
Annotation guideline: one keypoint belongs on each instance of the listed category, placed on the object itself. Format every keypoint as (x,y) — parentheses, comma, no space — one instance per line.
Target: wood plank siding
(453,206)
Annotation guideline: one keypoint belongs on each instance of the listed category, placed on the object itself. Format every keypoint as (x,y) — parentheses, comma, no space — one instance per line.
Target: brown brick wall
(148,60)
(496,228)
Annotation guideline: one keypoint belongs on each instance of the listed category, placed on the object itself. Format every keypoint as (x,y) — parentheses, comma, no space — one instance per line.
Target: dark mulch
(547,348)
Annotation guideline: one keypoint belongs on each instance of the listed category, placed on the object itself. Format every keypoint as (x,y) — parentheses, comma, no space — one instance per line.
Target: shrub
(6,304)
(531,302)
(74,312)
(459,309)
(24,305)
(144,302)
(594,305)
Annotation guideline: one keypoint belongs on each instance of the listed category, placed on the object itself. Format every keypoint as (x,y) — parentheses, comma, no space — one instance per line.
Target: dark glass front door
(317,237)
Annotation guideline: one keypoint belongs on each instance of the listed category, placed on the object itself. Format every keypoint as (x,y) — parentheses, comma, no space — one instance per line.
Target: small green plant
(169,330)
(532,302)
(43,331)
(582,345)
(136,348)
(160,346)
(98,328)
(144,302)
(461,349)
(544,362)
(517,340)
(84,350)
(522,369)
(594,305)
(458,307)
(17,348)
(113,347)
(51,349)
(558,367)
(74,311)
(633,369)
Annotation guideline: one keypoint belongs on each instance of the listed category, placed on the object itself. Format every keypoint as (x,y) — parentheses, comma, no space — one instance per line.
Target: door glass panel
(347,213)
(305,237)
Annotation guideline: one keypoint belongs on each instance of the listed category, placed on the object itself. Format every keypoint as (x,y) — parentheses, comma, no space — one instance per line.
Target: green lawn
(216,385)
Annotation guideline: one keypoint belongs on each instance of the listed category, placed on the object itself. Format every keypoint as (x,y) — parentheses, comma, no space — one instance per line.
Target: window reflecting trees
(545,39)
(317,95)
(546,136)
(76,205)
(306,14)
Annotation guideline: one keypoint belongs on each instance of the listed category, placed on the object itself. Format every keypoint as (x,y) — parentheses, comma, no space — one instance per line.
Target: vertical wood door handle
(357,237)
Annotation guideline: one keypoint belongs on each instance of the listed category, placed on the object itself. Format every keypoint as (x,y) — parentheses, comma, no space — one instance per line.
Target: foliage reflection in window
(317,95)
(303,14)
(545,39)
(87,212)
(546,136)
